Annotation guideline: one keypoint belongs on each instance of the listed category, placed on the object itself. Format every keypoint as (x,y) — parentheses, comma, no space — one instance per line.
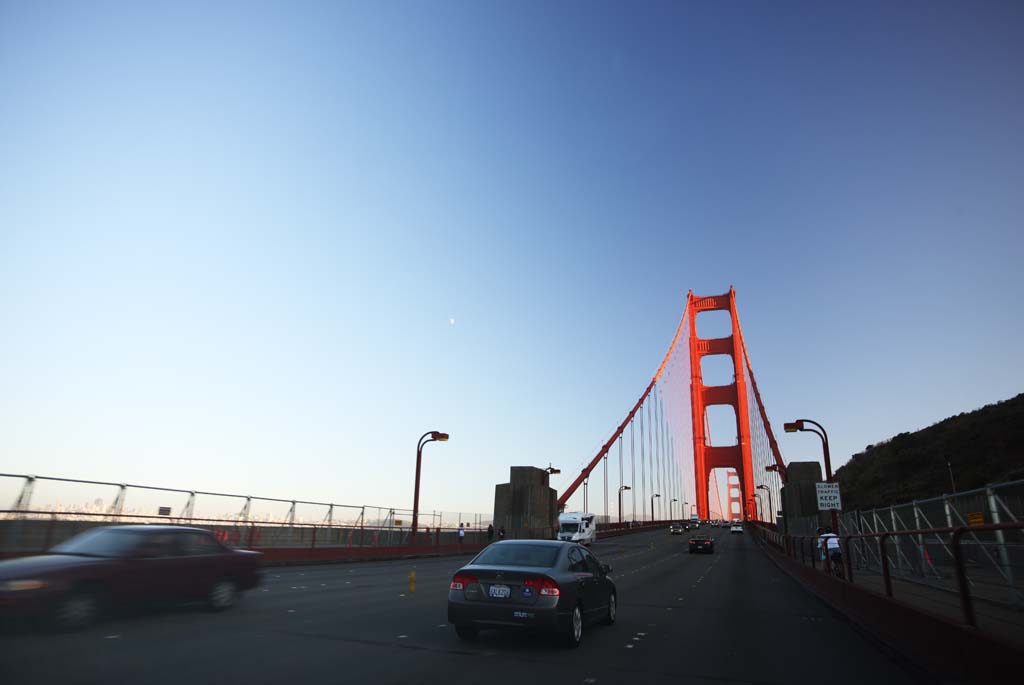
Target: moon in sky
(451,322)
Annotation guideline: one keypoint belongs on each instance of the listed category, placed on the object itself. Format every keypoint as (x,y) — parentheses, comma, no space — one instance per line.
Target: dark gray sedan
(544,585)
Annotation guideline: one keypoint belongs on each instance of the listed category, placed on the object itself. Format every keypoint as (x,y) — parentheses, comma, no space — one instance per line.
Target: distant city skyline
(262,248)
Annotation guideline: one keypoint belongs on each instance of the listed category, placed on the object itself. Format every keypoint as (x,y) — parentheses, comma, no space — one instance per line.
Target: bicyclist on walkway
(830,542)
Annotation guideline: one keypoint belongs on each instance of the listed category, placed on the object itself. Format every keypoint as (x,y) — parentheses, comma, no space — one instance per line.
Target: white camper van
(576,526)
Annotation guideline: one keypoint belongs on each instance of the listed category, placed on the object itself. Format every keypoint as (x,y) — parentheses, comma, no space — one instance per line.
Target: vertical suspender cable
(619,501)
(664,455)
(665,496)
(650,451)
(605,460)
(643,469)
(655,465)
(632,466)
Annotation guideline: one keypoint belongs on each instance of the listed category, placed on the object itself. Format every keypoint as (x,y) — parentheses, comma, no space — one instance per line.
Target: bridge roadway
(731,617)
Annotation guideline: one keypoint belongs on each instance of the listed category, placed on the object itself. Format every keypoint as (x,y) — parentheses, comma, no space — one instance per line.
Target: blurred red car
(78,579)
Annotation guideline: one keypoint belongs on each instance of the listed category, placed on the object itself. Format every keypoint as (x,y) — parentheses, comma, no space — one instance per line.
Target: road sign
(975,518)
(828,496)
(398,522)
(164,511)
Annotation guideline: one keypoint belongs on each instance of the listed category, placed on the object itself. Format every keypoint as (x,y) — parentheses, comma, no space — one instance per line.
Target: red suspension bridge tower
(678,390)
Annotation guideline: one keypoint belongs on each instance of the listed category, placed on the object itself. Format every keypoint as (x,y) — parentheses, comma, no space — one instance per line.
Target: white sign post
(828,496)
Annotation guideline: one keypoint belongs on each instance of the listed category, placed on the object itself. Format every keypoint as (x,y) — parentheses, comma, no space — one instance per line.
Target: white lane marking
(442,625)
(642,634)
(629,646)
(590,680)
(402,637)
(111,637)
(636,639)
(668,608)
(291,611)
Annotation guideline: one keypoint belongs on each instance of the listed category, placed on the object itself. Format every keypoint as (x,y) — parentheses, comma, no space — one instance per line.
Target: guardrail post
(886,578)
(49,532)
(848,558)
(1004,558)
(25,496)
(961,579)
(892,515)
(312,543)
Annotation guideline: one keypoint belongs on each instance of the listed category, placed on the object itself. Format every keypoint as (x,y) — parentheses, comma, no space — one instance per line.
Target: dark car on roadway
(544,585)
(702,543)
(676,529)
(124,565)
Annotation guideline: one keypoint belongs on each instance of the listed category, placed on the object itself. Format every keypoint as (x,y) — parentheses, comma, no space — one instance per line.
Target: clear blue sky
(232,237)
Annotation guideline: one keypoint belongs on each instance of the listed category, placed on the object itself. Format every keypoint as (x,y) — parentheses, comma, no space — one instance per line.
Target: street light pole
(671,509)
(771,509)
(621,488)
(433,436)
(798,425)
(652,506)
(951,481)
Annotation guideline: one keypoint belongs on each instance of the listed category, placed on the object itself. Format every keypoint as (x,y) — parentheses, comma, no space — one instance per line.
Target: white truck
(577,526)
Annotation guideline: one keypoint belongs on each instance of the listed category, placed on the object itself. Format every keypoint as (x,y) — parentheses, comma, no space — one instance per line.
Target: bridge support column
(707,457)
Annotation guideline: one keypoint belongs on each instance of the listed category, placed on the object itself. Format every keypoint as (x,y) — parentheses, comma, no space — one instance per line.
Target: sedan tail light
(543,586)
(461,581)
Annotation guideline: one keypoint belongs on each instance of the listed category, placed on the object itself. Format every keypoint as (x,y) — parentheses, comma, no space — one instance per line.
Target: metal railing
(890,563)
(40,531)
(327,513)
(928,558)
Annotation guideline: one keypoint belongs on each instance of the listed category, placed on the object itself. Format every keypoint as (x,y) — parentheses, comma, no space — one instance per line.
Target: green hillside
(984,446)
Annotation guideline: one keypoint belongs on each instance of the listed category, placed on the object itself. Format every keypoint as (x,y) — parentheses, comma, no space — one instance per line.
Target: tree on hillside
(983,446)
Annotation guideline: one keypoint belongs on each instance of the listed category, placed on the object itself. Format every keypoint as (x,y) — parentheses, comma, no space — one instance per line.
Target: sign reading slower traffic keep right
(828,496)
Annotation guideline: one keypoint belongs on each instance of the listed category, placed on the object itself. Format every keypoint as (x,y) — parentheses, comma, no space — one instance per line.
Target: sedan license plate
(500,591)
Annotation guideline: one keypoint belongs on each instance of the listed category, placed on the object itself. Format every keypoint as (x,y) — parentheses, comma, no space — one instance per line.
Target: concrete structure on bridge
(526,506)
(799,495)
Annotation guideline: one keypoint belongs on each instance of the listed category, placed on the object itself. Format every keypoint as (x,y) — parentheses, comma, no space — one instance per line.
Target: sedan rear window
(542,556)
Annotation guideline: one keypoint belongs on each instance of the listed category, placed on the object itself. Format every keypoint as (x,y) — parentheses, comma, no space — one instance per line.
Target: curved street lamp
(621,488)
(771,509)
(433,436)
(799,426)
(671,509)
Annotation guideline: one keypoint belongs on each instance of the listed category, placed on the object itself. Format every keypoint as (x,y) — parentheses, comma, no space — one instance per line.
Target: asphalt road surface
(730,617)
